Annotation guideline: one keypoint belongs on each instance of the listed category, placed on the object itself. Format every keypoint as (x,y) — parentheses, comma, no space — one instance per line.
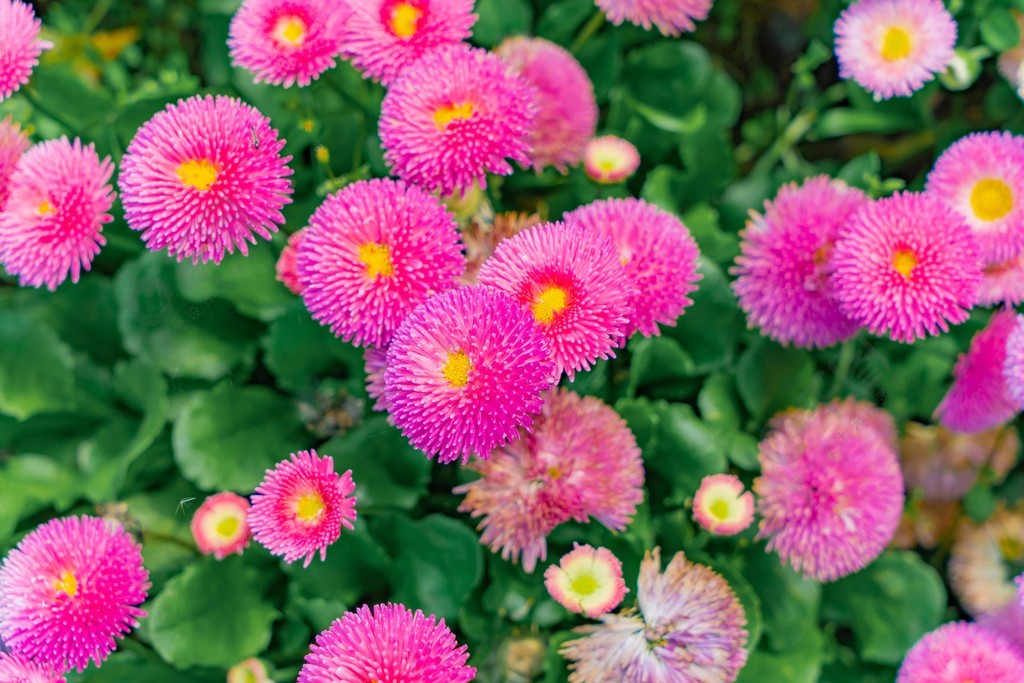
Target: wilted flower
(220,525)
(944,464)
(981,568)
(609,159)
(586,580)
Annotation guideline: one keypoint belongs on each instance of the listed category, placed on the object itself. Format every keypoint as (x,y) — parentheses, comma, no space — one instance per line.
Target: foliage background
(151,384)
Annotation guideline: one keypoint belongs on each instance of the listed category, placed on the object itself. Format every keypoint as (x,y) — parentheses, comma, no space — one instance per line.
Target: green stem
(36,104)
(123,243)
(133,644)
(360,106)
(99,11)
(588,31)
(846,356)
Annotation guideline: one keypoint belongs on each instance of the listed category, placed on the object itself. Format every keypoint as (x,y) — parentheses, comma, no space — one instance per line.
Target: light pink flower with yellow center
(249,671)
(722,505)
(671,17)
(220,525)
(587,580)
(610,159)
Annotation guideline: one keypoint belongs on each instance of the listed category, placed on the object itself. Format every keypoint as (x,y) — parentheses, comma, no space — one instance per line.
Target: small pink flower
(586,580)
(13,144)
(19,36)
(287,264)
(961,652)
(249,671)
(723,506)
(220,526)
(609,160)
(16,668)
(671,17)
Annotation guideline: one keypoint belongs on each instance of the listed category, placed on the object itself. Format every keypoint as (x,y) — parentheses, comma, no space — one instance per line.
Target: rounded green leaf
(35,368)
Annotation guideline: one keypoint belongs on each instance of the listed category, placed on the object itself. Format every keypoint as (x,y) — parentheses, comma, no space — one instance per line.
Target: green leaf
(35,368)
(771,378)
(500,19)
(128,666)
(799,665)
(1000,30)
(666,81)
(789,602)
(249,283)
(688,450)
(657,361)
(708,329)
(85,317)
(299,351)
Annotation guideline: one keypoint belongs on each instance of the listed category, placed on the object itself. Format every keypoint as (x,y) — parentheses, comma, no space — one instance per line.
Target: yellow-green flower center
(584,585)
(310,507)
(290,32)
(228,526)
(719,509)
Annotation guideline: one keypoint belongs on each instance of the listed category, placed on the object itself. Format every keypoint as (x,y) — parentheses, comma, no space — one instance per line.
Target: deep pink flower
(671,17)
(391,644)
(13,144)
(960,652)
(60,195)
(610,160)
(287,263)
(300,506)
(454,116)
(16,668)
(70,588)
(1002,282)
(220,526)
(202,176)
(1013,366)
(722,505)
(19,35)
(587,580)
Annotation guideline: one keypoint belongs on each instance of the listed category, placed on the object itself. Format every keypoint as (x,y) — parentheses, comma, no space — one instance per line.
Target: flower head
(202,176)
(384,37)
(284,42)
(586,580)
(983,561)
(1013,366)
(69,589)
(943,464)
(572,284)
(959,652)
(59,199)
(906,266)
(464,372)
(249,671)
(287,264)
(722,505)
(784,280)
(301,505)
(220,525)
(566,108)
(454,116)
(13,144)
(372,253)
(17,668)
(391,643)
(609,159)
(19,34)
(671,17)
(660,256)
(893,47)
(580,461)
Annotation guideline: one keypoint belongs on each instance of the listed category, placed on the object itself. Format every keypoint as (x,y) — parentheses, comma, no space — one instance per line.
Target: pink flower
(16,668)
(284,42)
(384,37)
(202,176)
(722,505)
(454,116)
(573,285)
(287,264)
(249,671)
(784,281)
(830,493)
(372,253)
(376,361)
(69,589)
(566,108)
(893,47)
(59,200)
(389,644)
(907,266)
(580,461)
(671,17)
(19,34)
(220,525)
(586,580)
(464,372)
(1002,282)
(301,505)
(609,160)
(660,256)
(13,144)
(959,652)
(1013,366)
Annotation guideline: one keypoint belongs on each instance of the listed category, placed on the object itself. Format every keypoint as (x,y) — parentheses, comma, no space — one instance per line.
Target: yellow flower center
(452,112)
(719,509)
(377,259)
(608,164)
(584,585)
(46,208)
(456,369)
(290,32)
(249,676)
(228,527)
(405,19)
(67,584)
(904,262)
(199,174)
(895,45)
(550,303)
(991,199)
(310,508)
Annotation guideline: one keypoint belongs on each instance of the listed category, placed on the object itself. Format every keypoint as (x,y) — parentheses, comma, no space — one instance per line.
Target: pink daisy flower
(830,493)
(287,264)
(981,177)
(906,266)
(660,256)
(979,398)
(566,107)
(70,588)
(220,526)
(384,37)
(784,281)
(454,116)
(893,47)
(573,285)
(689,627)
(19,34)
(301,505)
(1013,366)
(13,144)
(391,643)
(862,416)
(723,506)
(580,461)
(376,361)
(671,17)
(249,671)
(372,253)
(284,42)
(60,196)
(464,372)
(202,176)
(16,668)
(1002,282)
(609,159)
(586,580)
(958,652)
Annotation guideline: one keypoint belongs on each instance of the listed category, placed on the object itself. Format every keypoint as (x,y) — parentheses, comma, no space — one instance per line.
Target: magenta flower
(566,108)
(13,144)
(609,160)
(70,588)
(389,644)
(284,42)
(784,281)
(220,526)
(19,34)
(573,285)
(1002,282)
(59,199)
(202,176)
(660,256)
(587,580)
(376,362)
(893,47)
(958,652)
(671,17)
(384,37)
(906,266)
(580,461)
(301,505)
(372,253)
(16,668)
(1013,366)
(453,116)
(722,505)
(464,372)
(287,264)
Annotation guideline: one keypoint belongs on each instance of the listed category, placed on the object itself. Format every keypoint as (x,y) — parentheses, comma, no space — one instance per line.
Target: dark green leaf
(35,368)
